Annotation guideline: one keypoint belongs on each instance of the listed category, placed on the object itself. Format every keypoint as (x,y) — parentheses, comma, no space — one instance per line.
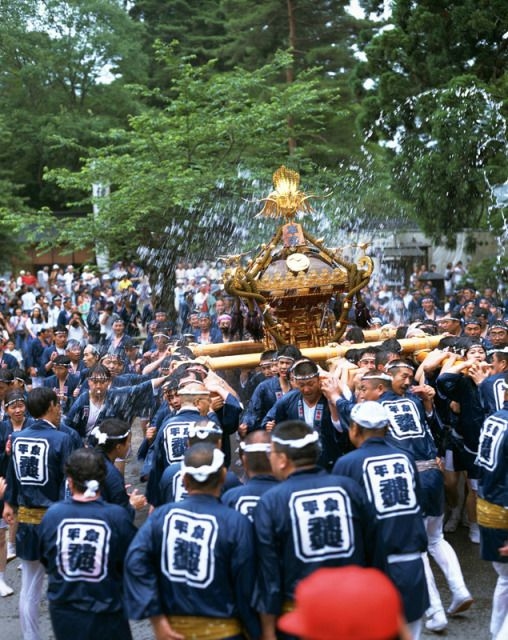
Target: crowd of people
(255,480)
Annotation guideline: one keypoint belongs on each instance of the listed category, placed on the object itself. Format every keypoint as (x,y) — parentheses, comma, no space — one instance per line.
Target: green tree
(318,33)
(434,95)
(197,26)
(177,175)
(54,59)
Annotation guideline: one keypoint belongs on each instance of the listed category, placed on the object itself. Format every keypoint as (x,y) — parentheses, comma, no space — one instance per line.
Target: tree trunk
(290,70)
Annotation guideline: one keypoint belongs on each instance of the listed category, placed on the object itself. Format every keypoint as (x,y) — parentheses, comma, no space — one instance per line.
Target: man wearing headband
(472,328)
(309,520)
(315,402)
(171,440)
(269,391)
(450,325)
(105,401)
(171,486)
(492,509)
(83,543)
(63,382)
(498,335)
(35,480)
(191,566)
(113,438)
(224,322)
(56,349)
(410,409)
(254,450)
(206,333)
(115,363)
(159,346)
(376,466)
(15,420)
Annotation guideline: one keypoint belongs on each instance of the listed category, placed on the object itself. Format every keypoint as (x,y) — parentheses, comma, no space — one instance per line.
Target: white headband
(102,437)
(306,377)
(310,438)
(201,432)
(255,447)
(202,473)
(378,376)
(92,486)
(395,365)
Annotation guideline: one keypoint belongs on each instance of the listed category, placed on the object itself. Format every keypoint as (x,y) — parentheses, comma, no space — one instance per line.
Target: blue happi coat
(35,477)
(310,520)
(493,482)
(83,546)
(193,558)
(390,481)
(409,431)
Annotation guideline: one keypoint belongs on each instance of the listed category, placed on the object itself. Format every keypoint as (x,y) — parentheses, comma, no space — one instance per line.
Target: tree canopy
(433,92)
(183,110)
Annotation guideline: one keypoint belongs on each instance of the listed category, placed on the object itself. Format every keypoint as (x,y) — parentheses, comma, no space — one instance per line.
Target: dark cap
(498,324)
(61,328)
(14,396)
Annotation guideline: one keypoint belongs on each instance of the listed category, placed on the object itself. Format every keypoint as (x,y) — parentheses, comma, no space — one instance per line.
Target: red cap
(344,603)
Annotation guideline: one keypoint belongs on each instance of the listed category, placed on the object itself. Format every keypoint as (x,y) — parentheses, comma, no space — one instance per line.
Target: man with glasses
(170,443)
(498,335)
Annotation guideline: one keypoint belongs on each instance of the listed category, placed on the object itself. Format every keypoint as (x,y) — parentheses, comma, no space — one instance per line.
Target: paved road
(473,625)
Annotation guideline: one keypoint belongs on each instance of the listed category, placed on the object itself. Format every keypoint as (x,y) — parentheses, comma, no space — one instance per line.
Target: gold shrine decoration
(287,199)
(293,279)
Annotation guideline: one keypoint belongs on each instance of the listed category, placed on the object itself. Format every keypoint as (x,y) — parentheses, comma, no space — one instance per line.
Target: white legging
(32,581)
(499,619)
(415,629)
(447,560)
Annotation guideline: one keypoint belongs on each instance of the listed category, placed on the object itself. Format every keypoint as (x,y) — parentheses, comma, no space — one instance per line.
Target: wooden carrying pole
(321,354)
(238,347)
(228,348)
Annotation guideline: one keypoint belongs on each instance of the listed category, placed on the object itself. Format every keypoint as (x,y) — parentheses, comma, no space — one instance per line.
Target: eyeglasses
(99,380)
